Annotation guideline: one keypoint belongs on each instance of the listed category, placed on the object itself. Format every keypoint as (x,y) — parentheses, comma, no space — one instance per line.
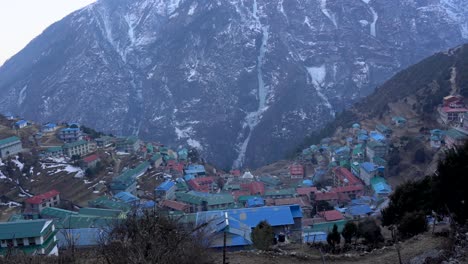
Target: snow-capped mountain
(243,80)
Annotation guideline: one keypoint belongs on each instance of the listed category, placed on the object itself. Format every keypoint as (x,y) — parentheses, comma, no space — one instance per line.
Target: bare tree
(152,238)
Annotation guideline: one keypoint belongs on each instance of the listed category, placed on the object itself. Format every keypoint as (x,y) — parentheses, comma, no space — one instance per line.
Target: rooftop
(23,229)
(332,215)
(9,140)
(38,199)
(165,186)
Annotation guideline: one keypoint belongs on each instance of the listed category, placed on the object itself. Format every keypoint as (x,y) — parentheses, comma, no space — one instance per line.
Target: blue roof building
(368,170)
(80,237)
(189,177)
(255,202)
(127,197)
(195,169)
(376,136)
(380,186)
(358,211)
(314,237)
(166,190)
(21,124)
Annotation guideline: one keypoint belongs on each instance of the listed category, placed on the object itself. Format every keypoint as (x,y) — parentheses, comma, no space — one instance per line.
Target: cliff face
(242,80)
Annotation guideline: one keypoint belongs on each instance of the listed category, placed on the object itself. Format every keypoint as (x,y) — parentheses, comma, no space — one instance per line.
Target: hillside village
(69,177)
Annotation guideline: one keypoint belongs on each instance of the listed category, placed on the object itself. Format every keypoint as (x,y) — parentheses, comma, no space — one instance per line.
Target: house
(104,141)
(127,144)
(270,181)
(107,202)
(195,169)
(464,122)
(54,152)
(381,187)
(91,161)
(282,193)
(70,134)
(174,206)
(254,187)
(343,177)
(356,169)
(200,201)
(203,184)
(454,137)
(377,137)
(352,191)
(56,213)
(77,148)
(330,197)
(125,182)
(166,190)
(156,160)
(9,116)
(368,170)
(223,230)
(376,149)
(48,128)
(449,114)
(182,154)
(36,203)
(331,215)
(128,198)
(102,212)
(436,138)
(80,237)
(32,237)
(314,237)
(399,121)
(296,171)
(452,108)
(283,219)
(255,202)
(385,130)
(21,124)
(10,146)
(306,191)
(358,211)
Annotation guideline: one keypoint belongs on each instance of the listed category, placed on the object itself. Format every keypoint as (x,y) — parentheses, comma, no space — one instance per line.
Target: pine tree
(263,236)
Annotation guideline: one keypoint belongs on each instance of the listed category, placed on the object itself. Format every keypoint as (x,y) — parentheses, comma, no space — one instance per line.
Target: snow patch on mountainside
(326,12)
(318,75)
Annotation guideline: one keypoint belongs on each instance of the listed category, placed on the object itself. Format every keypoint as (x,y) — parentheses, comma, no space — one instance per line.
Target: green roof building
(283,193)
(31,237)
(205,201)
(108,203)
(10,146)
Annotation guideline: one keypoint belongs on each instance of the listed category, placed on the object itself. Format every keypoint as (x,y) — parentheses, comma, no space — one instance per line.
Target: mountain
(240,80)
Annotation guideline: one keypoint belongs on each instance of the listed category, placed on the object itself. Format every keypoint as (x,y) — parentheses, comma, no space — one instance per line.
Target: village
(105,178)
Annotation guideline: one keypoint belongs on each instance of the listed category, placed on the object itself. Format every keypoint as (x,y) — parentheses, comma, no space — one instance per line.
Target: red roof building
(332,215)
(343,177)
(203,184)
(356,190)
(176,166)
(289,201)
(326,196)
(36,203)
(174,206)
(235,173)
(305,191)
(255,188)
(296,171)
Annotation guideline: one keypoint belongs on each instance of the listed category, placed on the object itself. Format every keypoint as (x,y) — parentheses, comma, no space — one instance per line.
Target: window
(44,205)
(32,241)
(20,242)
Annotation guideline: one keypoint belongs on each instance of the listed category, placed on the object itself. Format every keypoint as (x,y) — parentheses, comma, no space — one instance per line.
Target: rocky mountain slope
(243,80)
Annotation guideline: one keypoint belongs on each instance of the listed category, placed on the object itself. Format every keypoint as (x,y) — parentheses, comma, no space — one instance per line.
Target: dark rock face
(243,80)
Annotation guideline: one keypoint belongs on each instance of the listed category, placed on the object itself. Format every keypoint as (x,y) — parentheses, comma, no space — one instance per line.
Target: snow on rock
(18,163)
(11,204)
(317,75)
(325,11)
(195,144)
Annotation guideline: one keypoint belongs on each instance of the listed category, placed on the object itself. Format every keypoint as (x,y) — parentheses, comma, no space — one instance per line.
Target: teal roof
(56,213)
(9,140)
(455,134)
(100,212)
(108,203)
(74,144)
(282,192)
(23,229)
(325,226)
(54,149)
(198,198)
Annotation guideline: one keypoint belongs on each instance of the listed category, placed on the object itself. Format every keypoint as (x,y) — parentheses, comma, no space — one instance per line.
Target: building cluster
(453,115)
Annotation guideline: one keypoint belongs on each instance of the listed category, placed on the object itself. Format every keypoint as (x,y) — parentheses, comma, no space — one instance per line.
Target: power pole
(224,247)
